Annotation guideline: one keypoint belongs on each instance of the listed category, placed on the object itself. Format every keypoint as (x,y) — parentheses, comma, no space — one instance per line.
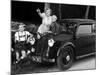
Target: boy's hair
(22,24)
(54,18)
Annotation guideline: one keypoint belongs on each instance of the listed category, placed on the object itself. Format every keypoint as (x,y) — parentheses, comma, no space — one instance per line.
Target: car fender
(66,44)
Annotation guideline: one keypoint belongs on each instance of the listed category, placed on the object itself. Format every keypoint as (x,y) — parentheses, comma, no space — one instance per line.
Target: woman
(47,20)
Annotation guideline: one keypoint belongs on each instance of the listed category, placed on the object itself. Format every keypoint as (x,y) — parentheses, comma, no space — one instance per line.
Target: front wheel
(65,58)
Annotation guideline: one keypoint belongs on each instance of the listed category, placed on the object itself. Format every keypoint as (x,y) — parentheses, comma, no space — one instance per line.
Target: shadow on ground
(33,67)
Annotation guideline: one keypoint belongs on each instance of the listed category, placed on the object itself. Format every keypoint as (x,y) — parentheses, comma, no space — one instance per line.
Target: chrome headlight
(32,40)
(51,42)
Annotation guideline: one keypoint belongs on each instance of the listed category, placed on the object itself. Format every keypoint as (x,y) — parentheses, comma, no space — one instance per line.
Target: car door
(84,39)
(93,38)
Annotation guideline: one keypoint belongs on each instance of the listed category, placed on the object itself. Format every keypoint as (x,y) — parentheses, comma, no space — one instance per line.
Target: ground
(80,64)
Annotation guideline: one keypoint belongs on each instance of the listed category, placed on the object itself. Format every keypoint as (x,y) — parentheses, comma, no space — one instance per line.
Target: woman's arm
(39,12)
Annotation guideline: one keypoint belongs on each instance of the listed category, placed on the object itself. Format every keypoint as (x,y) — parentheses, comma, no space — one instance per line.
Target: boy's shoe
(17,61)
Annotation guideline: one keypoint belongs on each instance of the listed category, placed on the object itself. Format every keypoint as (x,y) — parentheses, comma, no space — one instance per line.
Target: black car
(71,39)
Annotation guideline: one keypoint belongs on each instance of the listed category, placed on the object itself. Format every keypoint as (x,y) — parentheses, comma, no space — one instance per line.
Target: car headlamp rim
(51,42)
(32,40)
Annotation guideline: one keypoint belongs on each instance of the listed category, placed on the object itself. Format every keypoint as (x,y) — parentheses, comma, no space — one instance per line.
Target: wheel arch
(66,44)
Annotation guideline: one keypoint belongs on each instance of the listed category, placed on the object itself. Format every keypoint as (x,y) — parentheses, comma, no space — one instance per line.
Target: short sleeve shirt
(22,36)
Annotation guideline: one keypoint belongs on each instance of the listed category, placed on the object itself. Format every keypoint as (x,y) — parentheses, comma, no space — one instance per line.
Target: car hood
(63,37)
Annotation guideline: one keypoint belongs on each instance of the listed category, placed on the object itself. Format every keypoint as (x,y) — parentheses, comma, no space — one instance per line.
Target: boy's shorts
(19,46)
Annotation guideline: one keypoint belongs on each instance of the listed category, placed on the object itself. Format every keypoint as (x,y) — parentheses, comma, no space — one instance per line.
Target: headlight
(33,49)
(51,42)
(32,40)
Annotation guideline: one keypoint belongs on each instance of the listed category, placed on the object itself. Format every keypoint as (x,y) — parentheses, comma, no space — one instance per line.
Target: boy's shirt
(21,36)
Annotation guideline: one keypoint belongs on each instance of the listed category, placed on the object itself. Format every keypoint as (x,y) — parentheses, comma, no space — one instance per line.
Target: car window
(84,29)
(68,27)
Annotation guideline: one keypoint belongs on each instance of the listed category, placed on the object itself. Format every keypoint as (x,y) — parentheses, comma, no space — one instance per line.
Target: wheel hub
(68,57)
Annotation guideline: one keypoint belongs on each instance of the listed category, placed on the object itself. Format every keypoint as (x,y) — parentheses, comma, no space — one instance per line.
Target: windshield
(68,27)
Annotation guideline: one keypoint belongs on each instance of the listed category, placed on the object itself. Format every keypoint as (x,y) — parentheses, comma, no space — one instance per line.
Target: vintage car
(71,39)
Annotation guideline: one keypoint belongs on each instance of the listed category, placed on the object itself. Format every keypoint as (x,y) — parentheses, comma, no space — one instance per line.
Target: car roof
(77,20)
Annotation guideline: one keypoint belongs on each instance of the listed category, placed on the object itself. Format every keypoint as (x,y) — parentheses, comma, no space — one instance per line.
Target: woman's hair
(48,9)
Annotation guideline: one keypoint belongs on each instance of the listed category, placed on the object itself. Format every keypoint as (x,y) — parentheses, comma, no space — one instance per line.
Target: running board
(39,59)
(49,60)
(82,56)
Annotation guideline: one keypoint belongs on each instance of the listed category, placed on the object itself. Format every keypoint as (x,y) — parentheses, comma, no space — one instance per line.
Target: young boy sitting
(21,37)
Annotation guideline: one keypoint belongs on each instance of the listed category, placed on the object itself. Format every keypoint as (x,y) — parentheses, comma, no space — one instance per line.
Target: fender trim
(66,44)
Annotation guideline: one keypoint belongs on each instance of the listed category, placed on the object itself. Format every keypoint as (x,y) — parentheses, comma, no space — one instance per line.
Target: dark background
(78,11)
(26,11)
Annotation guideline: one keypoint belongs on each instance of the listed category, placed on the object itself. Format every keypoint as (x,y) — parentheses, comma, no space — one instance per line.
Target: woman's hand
(38,10)
(49,31)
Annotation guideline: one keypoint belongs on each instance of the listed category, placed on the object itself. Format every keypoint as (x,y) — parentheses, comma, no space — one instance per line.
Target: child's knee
(23,52)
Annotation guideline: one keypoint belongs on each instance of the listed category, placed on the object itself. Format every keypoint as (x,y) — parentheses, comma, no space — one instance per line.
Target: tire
(65,58)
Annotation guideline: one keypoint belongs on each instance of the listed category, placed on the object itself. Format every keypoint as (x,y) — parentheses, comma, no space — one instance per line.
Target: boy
(21,37)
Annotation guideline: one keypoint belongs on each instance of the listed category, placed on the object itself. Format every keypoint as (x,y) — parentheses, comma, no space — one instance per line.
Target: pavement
(80,64)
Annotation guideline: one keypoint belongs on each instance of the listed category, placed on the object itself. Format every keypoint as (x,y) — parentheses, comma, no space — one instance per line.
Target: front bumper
(40,59)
